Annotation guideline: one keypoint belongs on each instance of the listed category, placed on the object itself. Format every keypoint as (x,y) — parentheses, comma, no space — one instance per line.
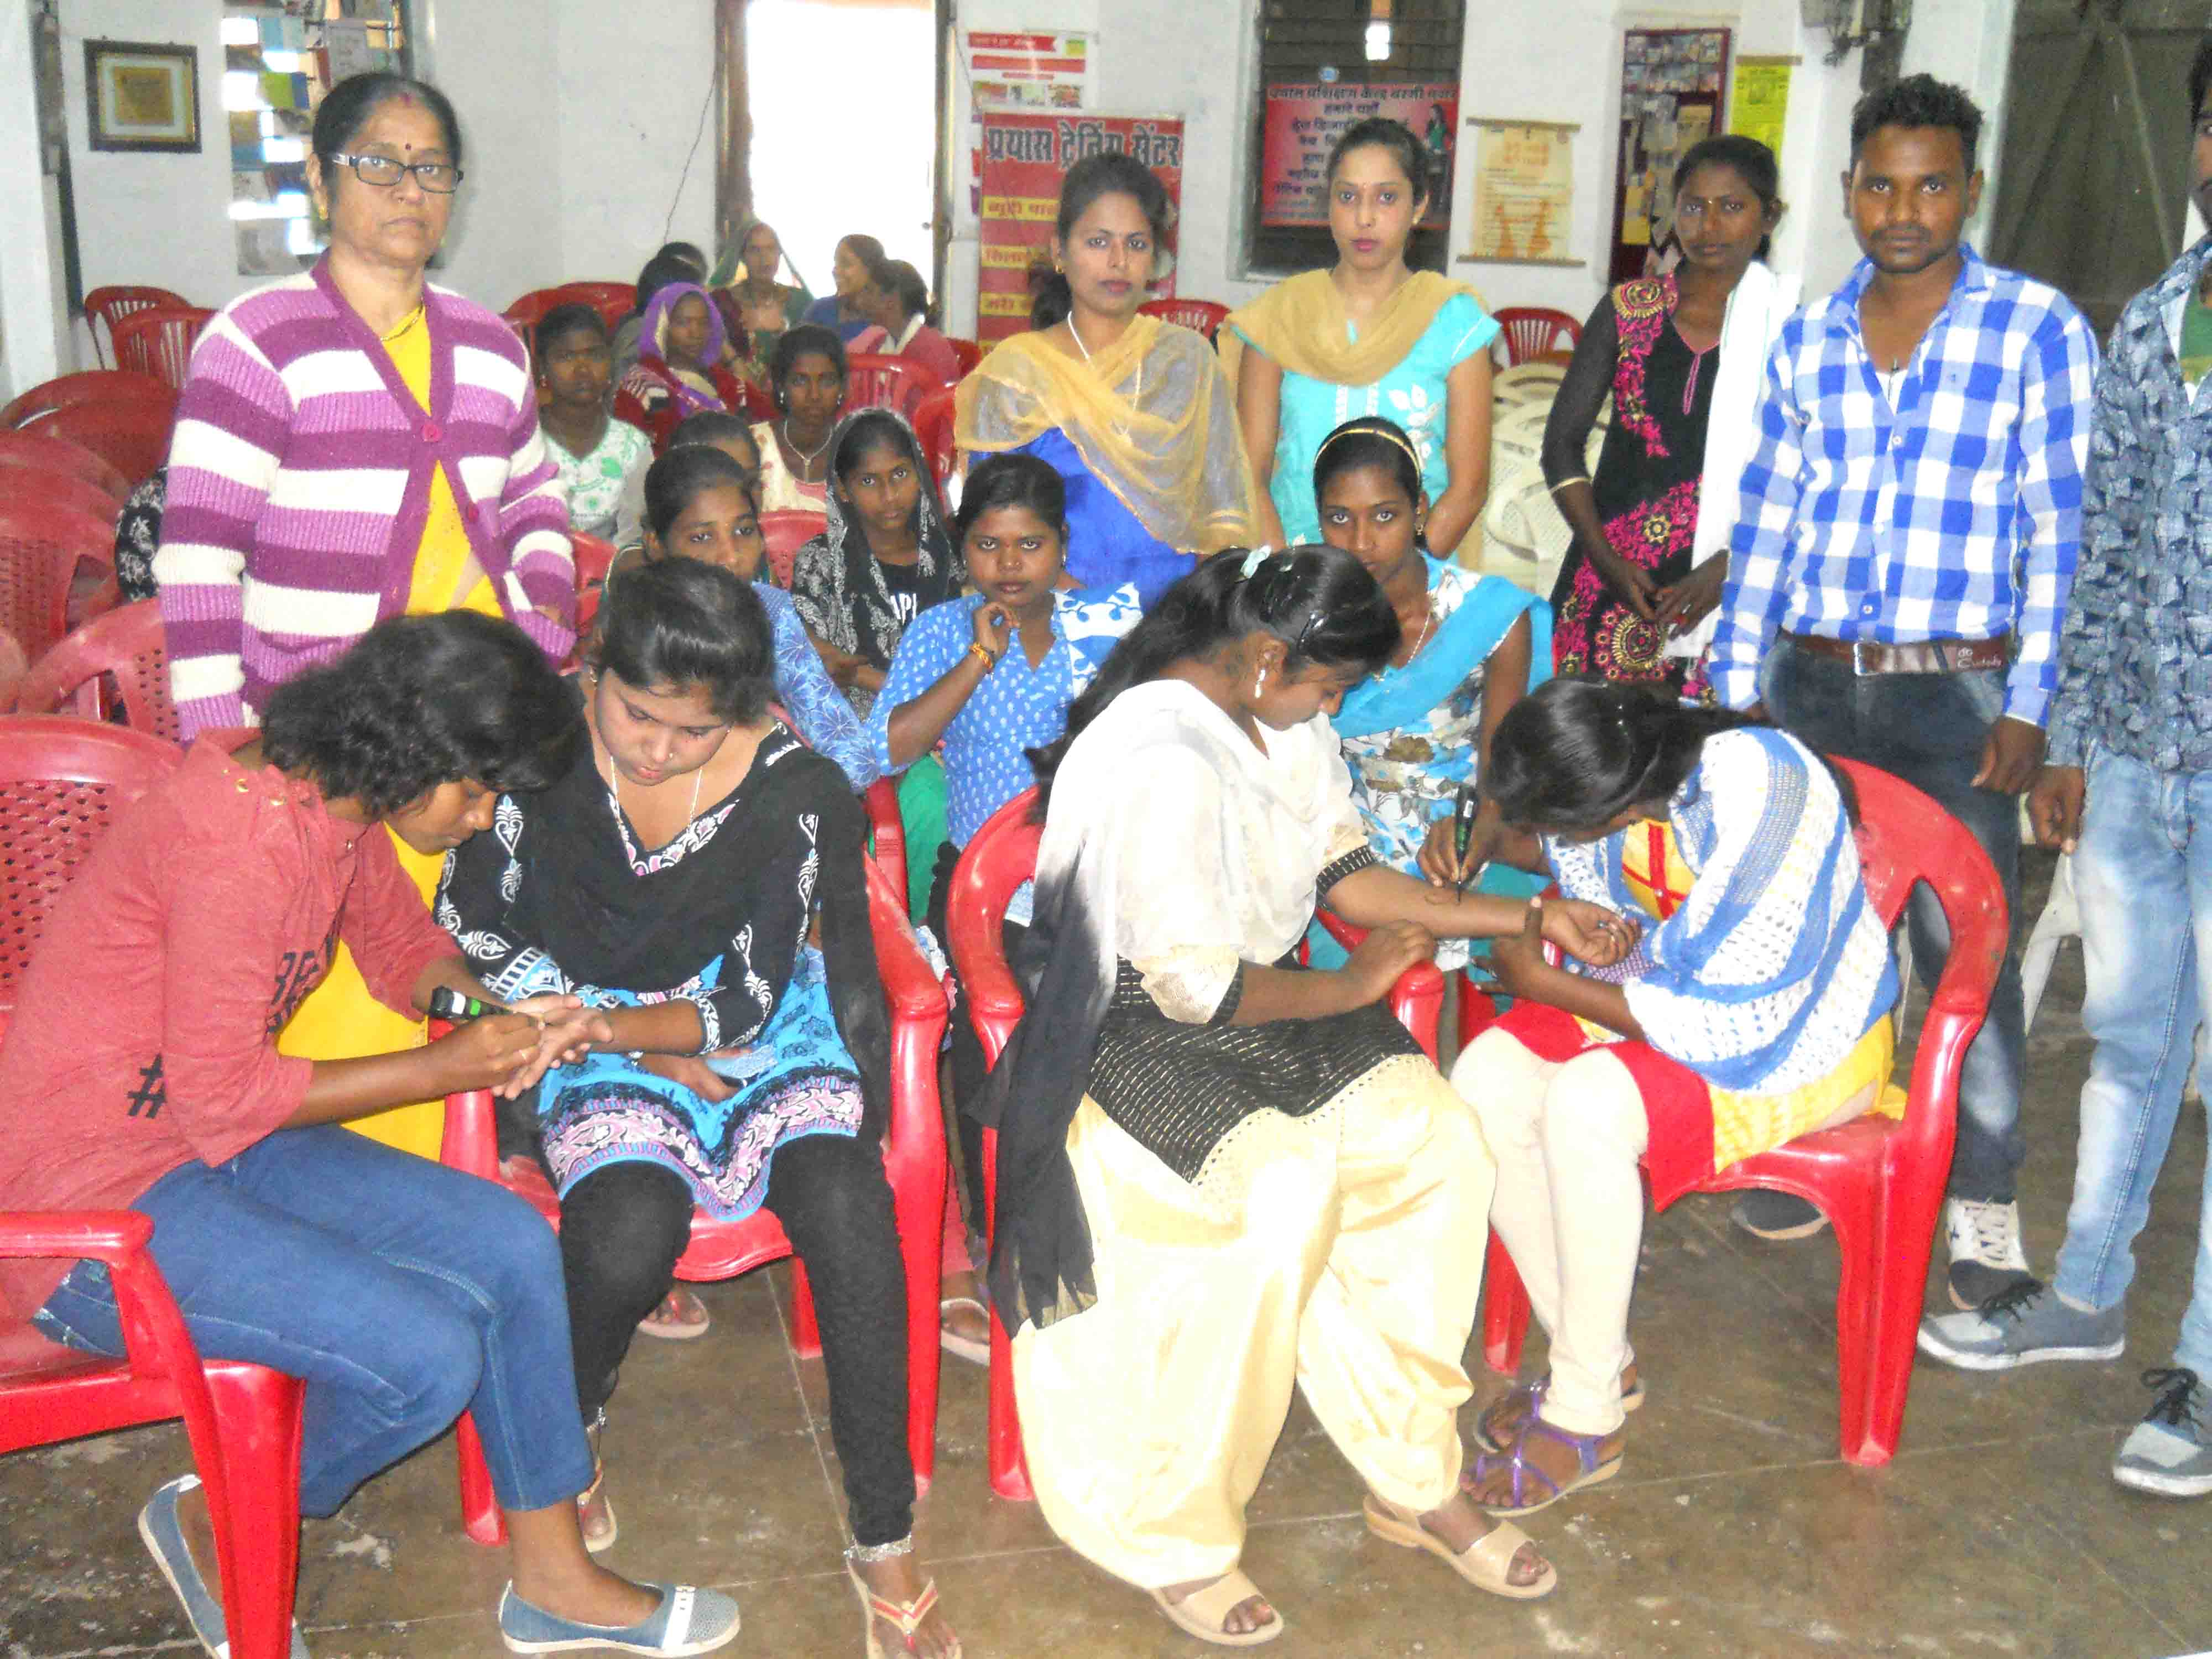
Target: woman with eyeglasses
(354,444)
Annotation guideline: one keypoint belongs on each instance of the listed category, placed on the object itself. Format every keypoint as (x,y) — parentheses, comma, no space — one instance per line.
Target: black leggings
(622,1227)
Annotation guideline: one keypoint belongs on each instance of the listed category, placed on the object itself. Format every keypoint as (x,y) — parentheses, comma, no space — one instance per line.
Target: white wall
(32,345)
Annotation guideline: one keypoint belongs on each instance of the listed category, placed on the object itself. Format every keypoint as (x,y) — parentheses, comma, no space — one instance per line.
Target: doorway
(843,99)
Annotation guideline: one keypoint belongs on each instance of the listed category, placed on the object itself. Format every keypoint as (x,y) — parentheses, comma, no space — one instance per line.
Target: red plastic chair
(1880,1182)
(612,300)
(786,531)
(887,831)
(997,861)
(913,1158)
(60,782)
(109,305)
(932,425)
(158,341)
(47,454)
(13,665)
(119,660)
(96,386)
(1530,331)
(966,353)
(874,380)
(35,488)
(1202,315)
(132,438)
(41,547)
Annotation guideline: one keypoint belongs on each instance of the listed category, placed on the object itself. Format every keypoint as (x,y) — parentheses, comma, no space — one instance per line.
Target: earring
(1260,685)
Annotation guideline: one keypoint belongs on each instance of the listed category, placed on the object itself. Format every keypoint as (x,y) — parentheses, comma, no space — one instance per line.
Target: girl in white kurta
(1218,1176)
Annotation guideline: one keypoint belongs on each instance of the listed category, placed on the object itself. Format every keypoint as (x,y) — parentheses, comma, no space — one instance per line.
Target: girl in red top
(401,1291)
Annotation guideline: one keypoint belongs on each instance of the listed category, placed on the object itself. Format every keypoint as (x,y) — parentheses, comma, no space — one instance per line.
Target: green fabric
(2196,340)
(922,809)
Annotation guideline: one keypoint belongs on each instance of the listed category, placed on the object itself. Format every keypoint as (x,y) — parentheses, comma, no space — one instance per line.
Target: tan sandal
(1485,1564)
(681,1317)
(1203,1611)
(907,1615)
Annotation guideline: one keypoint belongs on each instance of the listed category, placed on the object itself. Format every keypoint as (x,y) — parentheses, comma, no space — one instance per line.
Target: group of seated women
(1223,1167)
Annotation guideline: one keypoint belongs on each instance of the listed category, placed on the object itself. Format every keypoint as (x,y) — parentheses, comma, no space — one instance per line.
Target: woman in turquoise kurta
(1472,646)
(1368,336)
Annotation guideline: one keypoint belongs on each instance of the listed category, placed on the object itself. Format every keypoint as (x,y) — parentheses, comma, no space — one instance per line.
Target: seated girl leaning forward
(696,876)
(1184,1123)
(883,557)
(1416,734)
(698,506)
(204,917)
(1763,988)
(990,677)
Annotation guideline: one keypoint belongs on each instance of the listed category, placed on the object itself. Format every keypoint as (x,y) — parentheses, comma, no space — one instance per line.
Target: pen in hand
(1464,812)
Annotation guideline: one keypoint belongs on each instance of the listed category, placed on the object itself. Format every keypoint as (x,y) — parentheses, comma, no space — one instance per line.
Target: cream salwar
(1341,1251)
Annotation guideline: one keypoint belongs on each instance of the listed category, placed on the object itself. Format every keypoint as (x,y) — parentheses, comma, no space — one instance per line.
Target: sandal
(1201,1613)
(1517,1406)
(976,1351)
(681,1317)
(907,1615)
(595,1514)
(1592,1469)
(1485,1564)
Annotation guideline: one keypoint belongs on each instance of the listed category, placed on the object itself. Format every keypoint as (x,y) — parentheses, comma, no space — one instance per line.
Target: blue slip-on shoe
(2170,1451)
(688,1621)
(165,1542)
(2024,1326)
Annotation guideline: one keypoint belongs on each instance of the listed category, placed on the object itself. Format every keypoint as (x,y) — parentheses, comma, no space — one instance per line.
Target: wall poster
(1672,86)
(1302,120)
(1759,102)
(1524,191)
(1024,157)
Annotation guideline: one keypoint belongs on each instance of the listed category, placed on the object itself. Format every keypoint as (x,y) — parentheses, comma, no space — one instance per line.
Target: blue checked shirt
(1955,514)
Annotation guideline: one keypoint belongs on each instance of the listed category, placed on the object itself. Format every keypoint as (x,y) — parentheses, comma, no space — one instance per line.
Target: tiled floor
(1733,1531)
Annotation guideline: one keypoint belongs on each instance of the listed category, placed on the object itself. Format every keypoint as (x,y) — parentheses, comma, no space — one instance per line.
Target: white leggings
(1569,1206)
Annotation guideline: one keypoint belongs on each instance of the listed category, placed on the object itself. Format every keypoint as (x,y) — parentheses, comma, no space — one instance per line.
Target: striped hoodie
(299,477)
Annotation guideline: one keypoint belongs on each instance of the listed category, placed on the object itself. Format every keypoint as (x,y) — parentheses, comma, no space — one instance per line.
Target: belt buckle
(1860,665)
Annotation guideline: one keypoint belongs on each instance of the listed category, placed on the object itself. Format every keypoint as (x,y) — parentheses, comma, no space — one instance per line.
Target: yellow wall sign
(1761,99)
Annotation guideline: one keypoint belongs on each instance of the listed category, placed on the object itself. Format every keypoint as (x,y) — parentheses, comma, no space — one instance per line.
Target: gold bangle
(1579,478)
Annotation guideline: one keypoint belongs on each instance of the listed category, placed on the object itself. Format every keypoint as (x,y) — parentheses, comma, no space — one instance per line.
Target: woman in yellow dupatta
(1366,337)
(1134,414)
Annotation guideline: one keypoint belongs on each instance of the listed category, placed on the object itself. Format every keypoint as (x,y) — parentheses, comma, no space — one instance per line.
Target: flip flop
(976,1351)
(1201,1613)
(1484,1564)
(681,1317)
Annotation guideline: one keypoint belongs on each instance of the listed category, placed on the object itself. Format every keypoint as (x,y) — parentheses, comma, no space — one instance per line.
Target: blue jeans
(2143,877)
(1929,729)
(402,1291)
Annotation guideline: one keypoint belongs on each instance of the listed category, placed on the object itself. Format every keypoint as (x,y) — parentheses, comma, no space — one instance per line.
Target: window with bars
(1319,55)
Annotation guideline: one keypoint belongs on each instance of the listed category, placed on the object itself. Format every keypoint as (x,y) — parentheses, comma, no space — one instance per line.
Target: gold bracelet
(1579,478)
(982,651)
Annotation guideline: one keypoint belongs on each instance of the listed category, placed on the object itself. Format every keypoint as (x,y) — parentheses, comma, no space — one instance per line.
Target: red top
(144,1031)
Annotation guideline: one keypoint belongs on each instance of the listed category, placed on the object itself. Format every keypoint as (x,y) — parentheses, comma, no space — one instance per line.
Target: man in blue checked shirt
(2127,789)
(1909,530)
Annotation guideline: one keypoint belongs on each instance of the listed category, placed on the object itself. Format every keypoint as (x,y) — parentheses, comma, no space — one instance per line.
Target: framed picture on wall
(141,96)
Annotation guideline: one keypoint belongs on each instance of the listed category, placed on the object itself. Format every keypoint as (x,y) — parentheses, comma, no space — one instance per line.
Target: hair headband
(1388,437)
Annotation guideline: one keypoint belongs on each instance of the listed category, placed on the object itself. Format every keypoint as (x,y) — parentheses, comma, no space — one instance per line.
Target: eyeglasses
(439,178)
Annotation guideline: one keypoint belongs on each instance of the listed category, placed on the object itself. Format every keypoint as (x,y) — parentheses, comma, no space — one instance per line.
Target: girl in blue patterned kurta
(1471,645)
(990,676)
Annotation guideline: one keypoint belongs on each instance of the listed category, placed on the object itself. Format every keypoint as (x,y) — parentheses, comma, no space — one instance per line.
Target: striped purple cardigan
(300,480)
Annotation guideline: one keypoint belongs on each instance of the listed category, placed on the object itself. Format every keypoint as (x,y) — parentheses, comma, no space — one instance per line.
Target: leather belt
(1916,657)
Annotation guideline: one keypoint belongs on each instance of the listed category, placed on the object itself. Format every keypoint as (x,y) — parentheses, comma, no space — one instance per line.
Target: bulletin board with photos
(278,61)
(1673,87)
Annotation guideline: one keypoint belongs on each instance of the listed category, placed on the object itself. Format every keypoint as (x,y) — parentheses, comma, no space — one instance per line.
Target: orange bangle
(980,650)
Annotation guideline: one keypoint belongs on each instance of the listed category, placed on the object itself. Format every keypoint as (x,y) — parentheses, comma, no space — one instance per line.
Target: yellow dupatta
(1301,325)
(1152,416)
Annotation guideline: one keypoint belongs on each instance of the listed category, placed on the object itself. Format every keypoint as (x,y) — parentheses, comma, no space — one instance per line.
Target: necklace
(806,461)
(614,788)
(1428,623)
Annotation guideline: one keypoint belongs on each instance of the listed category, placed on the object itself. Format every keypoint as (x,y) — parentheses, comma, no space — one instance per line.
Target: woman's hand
(1386,951)
(1443,866)
(1631,583)
(485,1054)
(1685,604)
(1589,931)
(693,1073)
(993,627)
(568,1033)
(1516,960)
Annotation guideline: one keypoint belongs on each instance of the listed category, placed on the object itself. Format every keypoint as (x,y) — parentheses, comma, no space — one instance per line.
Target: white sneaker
(1986,1257)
